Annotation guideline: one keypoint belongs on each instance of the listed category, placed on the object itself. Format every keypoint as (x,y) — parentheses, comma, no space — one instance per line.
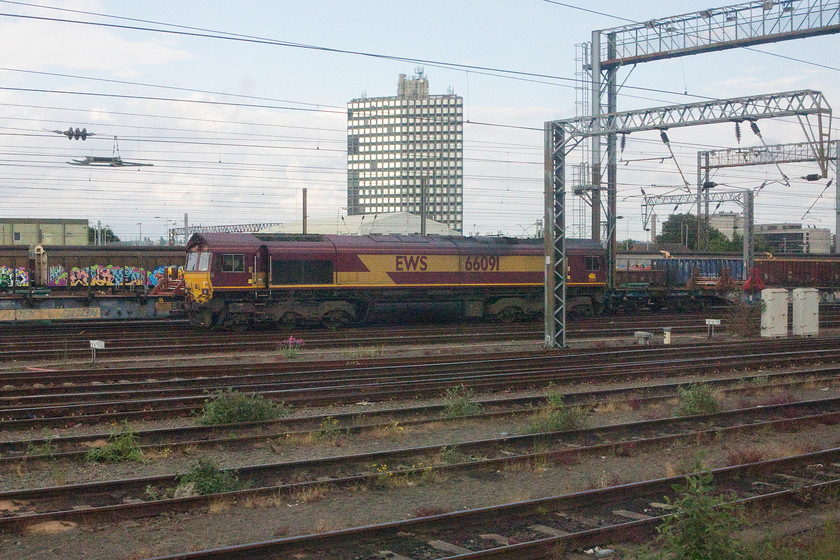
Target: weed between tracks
(458,402)
(556,416)
(228,407)
(698,398)
(205,477)
(403,476)
(701,526)
(47,447)
(329,430)
(290,348)
(121,446)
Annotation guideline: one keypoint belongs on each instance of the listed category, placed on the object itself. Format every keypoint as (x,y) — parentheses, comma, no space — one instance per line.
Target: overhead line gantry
(562,136)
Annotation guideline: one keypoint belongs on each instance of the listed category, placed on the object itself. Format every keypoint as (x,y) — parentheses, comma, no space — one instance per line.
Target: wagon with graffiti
(14,267)
(110,268)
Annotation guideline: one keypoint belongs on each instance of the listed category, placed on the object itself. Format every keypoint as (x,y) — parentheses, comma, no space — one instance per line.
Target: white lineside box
(806,312)
(774,313)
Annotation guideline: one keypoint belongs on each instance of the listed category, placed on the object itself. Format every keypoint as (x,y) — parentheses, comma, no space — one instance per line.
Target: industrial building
(794,239)
(400,146)
(43,231)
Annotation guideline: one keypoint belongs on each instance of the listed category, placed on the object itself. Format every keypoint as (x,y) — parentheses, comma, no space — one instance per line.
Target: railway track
(181,339)
(129,498)
(335,385)
(165,339)
(630,378)
(537,529)
(235,436)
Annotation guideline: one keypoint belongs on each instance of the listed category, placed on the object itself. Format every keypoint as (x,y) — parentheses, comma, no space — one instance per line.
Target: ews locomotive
(239,280)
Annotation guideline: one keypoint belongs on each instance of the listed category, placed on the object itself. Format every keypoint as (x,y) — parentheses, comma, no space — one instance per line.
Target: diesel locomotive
(236,281)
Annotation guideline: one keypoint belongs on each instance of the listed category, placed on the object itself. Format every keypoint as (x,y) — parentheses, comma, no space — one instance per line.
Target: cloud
(41,45)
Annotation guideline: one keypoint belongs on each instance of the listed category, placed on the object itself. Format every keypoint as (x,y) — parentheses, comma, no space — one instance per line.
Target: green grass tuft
(697,399)
(229,407)
(458,402)
(121,446)
(205,477)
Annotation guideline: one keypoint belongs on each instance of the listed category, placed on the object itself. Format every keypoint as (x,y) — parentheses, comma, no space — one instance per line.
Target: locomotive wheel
(509,314)
(291,320)
(203,318)
(336,319)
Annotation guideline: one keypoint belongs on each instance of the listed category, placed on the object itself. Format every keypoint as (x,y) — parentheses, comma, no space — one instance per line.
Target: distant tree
(626,245)
(107,235)
(682,229)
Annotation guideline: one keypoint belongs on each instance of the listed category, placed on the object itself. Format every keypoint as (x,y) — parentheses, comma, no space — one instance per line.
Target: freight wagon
(72,282)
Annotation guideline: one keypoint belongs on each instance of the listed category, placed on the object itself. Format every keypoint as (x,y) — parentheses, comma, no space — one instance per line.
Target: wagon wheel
(336,319)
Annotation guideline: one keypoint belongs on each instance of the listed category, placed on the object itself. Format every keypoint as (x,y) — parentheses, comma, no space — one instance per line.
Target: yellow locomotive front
(197,275)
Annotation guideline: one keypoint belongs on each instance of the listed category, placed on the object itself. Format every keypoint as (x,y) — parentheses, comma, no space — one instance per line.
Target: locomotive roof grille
(291,237)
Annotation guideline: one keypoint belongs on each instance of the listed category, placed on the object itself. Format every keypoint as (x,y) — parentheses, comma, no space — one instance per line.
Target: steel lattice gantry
(766,155)
(739,25)
(744,197)
(562,136)
(234,228)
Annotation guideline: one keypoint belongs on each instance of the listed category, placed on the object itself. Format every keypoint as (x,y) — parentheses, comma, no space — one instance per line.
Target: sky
(240,105)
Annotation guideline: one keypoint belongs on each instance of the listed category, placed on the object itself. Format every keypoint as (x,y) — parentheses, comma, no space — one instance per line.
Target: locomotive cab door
(259,269)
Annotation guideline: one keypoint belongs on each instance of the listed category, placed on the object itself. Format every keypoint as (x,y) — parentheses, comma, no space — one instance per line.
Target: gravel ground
(259,519)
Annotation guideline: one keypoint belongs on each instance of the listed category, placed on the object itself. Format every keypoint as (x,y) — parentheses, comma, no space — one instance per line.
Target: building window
(17,236)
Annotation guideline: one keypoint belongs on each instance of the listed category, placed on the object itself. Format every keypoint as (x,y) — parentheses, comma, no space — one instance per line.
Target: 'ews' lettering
(411,263)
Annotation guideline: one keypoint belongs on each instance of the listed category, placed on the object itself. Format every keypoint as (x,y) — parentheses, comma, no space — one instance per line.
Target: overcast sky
(235,128)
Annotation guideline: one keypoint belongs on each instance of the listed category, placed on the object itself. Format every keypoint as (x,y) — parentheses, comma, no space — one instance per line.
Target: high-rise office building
(398,145)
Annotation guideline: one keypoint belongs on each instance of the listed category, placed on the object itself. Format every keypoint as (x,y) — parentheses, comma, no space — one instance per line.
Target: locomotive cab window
(593,263)
(233,263)
(301,272)
(198,261)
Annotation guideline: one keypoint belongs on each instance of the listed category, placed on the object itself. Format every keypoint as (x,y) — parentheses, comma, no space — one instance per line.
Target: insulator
(813,177)
(664,137)
(755,129)
(623,141)
(738,132)
(84,134)
(69,133)
(77,134)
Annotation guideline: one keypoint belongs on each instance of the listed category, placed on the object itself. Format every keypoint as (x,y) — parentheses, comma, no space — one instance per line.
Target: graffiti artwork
(10,277)
(107,275)
(160,272)
(57,276)
(100,276)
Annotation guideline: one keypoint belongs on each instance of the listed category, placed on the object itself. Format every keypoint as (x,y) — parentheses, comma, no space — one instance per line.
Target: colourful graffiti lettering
(158,274)
(79,276)
(57,276)
(10,277)
(106,275)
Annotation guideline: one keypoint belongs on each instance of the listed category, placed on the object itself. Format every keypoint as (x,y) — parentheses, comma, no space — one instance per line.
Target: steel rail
(245,434)
(181,373)
(18,385)
(331,394)
(566,514)
(101,500)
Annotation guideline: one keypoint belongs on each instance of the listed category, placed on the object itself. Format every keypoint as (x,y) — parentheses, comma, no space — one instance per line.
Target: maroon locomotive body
(236,280)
